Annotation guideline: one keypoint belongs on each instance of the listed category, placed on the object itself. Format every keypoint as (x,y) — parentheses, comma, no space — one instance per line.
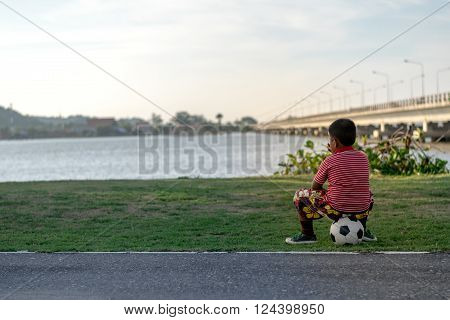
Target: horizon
(251,60)
(11,107)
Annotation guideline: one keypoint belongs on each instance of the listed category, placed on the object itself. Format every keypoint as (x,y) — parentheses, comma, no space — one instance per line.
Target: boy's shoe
(369,236)
(300,238)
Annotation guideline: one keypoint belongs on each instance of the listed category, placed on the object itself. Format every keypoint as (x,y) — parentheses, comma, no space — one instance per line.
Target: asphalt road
(223,276)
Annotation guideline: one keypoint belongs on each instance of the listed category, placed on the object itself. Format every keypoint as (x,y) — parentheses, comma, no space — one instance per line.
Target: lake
(151,157)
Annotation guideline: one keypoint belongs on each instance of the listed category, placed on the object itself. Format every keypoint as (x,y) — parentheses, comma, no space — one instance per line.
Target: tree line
(14,125)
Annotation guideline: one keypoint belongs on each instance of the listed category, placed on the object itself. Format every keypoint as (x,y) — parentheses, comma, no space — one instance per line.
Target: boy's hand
(316,186)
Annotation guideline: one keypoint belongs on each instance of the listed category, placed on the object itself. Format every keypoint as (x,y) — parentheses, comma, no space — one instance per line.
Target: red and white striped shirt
(347,172)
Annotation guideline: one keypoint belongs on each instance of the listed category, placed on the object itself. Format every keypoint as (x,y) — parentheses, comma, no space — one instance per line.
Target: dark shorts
(311,205)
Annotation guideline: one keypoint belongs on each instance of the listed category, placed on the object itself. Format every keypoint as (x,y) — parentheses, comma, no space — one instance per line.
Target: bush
(402,154)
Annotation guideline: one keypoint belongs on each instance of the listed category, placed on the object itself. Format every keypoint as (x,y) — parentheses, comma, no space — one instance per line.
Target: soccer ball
(346,231)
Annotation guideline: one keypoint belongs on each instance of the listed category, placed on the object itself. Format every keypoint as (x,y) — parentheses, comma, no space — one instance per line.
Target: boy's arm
(321,176)
(316,186)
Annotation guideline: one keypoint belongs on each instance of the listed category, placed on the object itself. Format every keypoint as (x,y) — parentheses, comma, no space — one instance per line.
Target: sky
(236,57)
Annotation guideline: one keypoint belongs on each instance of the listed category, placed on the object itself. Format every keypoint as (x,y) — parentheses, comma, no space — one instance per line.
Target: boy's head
(342,133)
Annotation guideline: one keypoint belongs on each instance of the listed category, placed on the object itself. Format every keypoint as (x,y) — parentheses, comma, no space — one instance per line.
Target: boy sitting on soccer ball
(348,194)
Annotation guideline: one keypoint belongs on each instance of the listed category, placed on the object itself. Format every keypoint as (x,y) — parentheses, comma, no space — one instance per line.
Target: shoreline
(268,178)
(219,133)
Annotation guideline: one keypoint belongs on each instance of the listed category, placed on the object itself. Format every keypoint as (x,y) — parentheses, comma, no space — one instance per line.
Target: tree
(156,120)
(184,118)
(219,117)
(247,121)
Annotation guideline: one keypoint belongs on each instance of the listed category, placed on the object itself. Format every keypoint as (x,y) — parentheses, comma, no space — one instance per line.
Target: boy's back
(347,172)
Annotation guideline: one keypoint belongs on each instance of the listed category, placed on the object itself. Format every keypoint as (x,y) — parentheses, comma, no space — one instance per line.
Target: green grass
(250,214)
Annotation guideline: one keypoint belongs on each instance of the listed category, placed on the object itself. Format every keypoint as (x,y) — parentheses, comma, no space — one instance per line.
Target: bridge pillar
(425,125)
(382,128)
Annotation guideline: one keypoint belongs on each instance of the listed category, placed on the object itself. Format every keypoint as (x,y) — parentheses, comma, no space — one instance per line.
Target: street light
(384,86)
(375,93)
(437,77)
(344,95)
(318,103)
(304,107)
(362,90)
(312,109)
(422,73)
(302,111)
(366,93)
(388,94)
(331,98)
(394,84)
(412,84)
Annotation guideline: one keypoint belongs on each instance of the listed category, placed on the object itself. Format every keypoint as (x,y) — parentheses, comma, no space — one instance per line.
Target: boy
(348,194)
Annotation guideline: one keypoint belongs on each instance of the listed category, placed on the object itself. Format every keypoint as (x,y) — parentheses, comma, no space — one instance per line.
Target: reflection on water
(233,155)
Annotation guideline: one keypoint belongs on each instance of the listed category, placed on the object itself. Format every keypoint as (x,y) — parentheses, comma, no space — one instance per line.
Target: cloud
(201,24)
(243,55)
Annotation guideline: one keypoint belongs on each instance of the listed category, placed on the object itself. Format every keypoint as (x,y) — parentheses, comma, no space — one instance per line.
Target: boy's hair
(344,130)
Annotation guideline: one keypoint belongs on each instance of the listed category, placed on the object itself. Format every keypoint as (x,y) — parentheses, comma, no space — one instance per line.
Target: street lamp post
(362,90)
(394,84)
(330,97)
(318,104)
(388,94)
(422,75)
(304,108)
(437,77)
(343,96)
(305,111)
(375,93)
(412,84)
(302,111)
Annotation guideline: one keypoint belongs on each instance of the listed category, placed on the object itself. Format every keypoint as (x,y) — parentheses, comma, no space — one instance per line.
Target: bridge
(431,113)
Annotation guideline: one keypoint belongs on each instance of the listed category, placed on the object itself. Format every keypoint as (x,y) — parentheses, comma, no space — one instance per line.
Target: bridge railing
(428,99)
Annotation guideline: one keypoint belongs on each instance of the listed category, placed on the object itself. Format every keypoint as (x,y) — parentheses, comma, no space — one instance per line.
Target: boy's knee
(301,193)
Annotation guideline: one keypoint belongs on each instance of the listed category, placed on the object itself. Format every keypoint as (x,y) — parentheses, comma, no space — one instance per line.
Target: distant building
(95,123)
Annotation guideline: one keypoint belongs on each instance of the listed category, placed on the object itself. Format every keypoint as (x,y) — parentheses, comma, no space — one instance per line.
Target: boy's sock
(307,227)
(368,236)
(363,222)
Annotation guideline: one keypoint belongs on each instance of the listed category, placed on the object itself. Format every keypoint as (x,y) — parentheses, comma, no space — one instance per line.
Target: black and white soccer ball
(346,231)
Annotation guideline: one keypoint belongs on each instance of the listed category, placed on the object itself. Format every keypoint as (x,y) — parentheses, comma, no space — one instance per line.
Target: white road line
(225,252)
(299,252)
(402,252)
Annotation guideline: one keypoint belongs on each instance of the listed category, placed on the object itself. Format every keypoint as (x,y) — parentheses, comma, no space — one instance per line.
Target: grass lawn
(249,214)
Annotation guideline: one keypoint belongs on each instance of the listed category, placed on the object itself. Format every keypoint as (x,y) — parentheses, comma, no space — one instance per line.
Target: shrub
(401,154)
